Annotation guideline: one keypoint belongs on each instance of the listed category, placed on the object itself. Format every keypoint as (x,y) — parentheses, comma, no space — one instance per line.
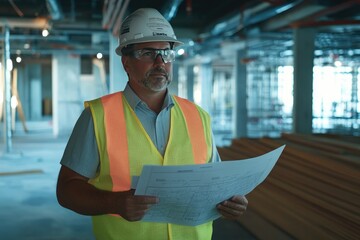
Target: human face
(153,76)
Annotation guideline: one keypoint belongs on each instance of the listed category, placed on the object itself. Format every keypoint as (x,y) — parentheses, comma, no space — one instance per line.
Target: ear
(125,62)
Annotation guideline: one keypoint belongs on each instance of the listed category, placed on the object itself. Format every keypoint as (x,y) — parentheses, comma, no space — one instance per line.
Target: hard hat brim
(148,39)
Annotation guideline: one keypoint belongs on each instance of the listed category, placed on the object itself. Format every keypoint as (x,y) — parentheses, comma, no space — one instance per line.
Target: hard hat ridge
(145,25)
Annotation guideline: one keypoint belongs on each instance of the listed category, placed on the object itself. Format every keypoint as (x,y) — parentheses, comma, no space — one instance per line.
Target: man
(119,133)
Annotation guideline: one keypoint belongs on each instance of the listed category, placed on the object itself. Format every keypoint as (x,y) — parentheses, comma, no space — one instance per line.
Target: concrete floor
(29,209)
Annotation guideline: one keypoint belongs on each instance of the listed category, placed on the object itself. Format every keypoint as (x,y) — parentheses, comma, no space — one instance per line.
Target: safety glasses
(150,54)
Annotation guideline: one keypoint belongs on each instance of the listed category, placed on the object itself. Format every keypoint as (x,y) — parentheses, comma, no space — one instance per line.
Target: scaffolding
(336,81)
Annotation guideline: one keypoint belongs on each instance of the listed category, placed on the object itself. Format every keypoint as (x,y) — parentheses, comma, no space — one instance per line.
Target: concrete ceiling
(83,26)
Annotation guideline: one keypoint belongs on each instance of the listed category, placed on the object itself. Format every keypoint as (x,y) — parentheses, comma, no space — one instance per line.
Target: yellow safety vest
(124,147)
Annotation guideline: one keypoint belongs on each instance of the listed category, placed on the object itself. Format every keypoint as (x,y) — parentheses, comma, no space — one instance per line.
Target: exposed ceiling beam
(60,51)
(342,22)
(34,23)
(284,20)
(66,25)
(324,12)
(27,37)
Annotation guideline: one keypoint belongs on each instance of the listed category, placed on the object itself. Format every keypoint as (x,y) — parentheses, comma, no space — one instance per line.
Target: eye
(147,53)
(170,54)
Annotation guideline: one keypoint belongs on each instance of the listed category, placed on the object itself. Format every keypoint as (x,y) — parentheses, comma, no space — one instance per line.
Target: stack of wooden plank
(313,192)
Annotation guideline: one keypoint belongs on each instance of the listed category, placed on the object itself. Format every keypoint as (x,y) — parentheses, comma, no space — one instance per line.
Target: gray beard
(154,83)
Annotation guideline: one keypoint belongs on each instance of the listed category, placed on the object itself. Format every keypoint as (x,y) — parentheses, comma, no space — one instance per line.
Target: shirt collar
(134,100)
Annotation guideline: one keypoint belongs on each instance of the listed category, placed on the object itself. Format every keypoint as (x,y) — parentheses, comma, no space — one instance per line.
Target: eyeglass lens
(167,55)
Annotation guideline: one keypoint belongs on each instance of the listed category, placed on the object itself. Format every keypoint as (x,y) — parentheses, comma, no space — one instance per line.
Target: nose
(159,59)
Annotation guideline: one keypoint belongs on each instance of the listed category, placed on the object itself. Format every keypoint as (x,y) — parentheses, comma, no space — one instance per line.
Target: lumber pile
(313,192)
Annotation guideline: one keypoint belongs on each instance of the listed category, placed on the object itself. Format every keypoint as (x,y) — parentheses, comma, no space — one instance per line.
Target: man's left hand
(233,208)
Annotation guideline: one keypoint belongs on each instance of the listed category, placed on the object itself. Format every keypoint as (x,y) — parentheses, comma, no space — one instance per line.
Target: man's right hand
(133,207)
(76,193)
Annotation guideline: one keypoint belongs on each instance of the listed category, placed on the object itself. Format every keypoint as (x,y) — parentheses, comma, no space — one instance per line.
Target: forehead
(156,45)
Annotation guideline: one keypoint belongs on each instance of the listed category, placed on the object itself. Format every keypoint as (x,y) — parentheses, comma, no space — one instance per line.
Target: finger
(231,210)
(239,199)
(135,217)
(230,213)
(145,199)
(230,216)
(135,214)
(233,205)
(140,203)
(138,208)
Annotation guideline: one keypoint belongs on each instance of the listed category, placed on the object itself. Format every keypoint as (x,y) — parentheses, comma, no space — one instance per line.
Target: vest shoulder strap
(195,128)
(114,138)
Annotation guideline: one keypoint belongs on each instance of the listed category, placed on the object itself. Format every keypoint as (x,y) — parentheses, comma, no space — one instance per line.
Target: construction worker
(119,133)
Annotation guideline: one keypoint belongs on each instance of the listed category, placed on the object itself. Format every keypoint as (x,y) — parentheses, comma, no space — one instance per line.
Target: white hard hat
(145,25)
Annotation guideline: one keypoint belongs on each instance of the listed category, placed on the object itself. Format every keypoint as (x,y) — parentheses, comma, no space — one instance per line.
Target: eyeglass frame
(155,53)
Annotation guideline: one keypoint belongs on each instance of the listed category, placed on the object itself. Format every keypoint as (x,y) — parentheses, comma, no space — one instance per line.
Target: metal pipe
(119,18)
(36,37)
(54,9)
(170,9)
(7,91)
(49,51)
(111,14)
(270,12)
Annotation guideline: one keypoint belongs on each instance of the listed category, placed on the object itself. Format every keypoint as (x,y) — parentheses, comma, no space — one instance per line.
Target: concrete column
(190,82)
(118,76)
(206,86)
(221,99)
(7,90)
(354,87)
(240,114)
(355,111)
(67,100)
(34,73)
(304,45)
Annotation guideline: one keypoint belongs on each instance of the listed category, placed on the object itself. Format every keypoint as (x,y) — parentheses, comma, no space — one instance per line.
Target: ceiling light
(18,59)
(99,55)
(45,33)
(181,51)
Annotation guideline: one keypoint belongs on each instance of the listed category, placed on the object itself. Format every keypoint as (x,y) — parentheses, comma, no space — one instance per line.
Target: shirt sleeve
(81,153)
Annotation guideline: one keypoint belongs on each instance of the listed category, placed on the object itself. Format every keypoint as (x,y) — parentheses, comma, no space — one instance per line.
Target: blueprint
(188,194)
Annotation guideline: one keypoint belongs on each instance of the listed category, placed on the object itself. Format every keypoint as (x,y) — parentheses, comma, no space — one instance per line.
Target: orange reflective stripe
(116,141)
(195,129)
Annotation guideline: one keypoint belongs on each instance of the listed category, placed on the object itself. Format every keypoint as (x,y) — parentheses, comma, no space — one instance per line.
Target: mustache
(158,70)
